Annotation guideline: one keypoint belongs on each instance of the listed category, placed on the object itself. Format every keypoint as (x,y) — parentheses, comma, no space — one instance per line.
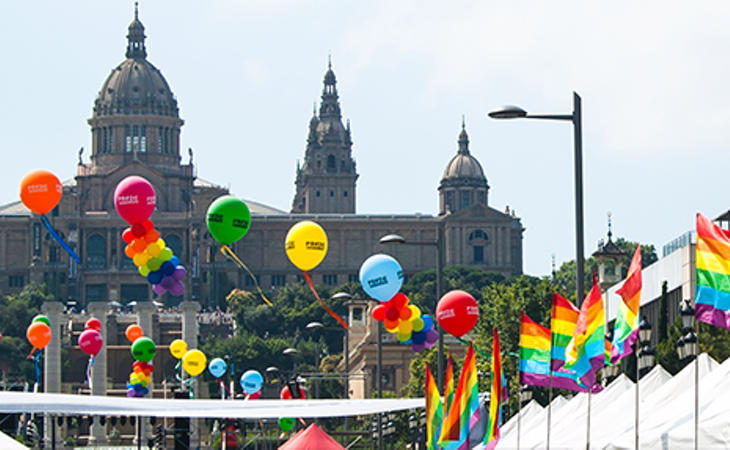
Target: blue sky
(653,78)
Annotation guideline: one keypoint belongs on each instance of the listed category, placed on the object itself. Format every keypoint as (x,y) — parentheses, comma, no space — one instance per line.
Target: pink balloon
(134,199)
(177,289)
(179,273)
(90,342)
(158,289)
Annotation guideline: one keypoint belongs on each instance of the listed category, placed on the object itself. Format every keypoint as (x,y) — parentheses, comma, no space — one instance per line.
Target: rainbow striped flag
(586,351)
(712,295)
(434,411)
(535,359)
(464,411)
(563,318)
(491,437)
(626,328)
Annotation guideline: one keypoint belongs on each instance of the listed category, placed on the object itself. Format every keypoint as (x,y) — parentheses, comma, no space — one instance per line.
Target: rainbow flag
(712,295)
(491,437)
(535,359)
(586,351)
(464,411)
(626,328)
(434,411)
(563,318)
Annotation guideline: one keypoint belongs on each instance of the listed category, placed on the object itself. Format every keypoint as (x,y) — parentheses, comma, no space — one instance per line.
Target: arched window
(96,252)
(173,241)
(331,163)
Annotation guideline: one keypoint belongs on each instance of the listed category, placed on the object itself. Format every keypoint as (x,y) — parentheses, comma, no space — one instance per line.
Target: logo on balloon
(381,277)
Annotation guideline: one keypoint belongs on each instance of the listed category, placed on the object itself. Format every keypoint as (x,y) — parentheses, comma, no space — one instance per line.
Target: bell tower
(325,183)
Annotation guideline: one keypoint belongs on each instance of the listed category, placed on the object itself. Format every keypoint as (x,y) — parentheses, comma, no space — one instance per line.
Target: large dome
(135,86)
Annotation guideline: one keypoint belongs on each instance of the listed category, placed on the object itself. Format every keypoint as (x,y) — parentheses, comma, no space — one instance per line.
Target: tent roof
(311,438)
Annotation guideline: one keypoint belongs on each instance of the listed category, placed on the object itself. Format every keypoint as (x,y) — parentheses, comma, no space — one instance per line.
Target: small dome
(464,166)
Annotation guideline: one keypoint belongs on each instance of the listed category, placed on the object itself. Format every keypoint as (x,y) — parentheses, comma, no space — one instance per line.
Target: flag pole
(519,414)
(550,405)
(636,408)
(588,421)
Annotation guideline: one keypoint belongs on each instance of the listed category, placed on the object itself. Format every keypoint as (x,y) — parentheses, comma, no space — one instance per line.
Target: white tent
(8,443)
(666,408)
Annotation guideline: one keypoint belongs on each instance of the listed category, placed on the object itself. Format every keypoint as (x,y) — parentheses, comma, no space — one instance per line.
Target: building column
(144,310)
(190,336)
(98,371)
(52,365)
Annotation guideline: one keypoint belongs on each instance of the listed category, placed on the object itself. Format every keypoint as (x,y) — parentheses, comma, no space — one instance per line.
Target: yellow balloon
(140,259)
(153,250)
(405,327)
(415,312)
(194,362)
(306,245)
(178,348)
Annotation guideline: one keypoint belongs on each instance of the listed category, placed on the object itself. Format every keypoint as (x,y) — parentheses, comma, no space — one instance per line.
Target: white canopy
(665,413)
(8,443)
(14,402)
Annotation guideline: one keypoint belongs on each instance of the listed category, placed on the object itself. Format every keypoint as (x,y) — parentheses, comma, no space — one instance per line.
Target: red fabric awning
(311,438)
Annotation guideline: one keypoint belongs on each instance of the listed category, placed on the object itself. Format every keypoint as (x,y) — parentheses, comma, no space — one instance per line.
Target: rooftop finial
(609,226)
(463,122)
(329,60)
(136,11)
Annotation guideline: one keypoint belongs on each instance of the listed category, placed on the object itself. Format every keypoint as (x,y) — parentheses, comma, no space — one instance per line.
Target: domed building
(136,130)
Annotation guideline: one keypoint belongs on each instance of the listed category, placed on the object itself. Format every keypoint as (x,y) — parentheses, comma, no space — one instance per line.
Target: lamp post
(344,296)
(315,326)
(687,349)
(292,352)
(515,112)
(439,244)
(644,361)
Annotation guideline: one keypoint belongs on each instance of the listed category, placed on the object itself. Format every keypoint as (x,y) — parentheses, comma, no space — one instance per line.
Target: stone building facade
(135,130)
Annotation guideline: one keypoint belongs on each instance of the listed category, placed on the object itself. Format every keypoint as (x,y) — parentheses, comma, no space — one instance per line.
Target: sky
(653,77)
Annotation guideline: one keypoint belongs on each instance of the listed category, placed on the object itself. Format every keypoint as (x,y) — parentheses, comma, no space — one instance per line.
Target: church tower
(325,183)
(463,183)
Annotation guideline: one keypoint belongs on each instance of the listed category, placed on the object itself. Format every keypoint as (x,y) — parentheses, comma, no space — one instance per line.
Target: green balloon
(41,318)
(286,423)
(143,349)
(228,219)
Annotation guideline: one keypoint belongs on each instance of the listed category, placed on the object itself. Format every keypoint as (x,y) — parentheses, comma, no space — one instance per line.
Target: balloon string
(480,351)
(88,373)
(226,250)
(49,227)
(38,368)
(311,286)
(30,355)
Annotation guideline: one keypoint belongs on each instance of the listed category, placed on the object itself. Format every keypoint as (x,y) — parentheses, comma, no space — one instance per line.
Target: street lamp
(688,348)
(292,352)
(439,244)
(515,112)
(344,296)
(315,326)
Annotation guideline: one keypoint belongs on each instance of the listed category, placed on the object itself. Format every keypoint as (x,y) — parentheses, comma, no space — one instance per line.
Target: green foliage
(16,312)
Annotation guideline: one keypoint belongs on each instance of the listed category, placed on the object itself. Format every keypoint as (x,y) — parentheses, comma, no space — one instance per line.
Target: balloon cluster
(381,277)
(135,200)
(143,350)
(406,321)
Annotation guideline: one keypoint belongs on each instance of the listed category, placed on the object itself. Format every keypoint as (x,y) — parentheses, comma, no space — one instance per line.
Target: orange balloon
(139,245)
(134,332)
(129,251)
(39,335)
(151,236)
(40,191)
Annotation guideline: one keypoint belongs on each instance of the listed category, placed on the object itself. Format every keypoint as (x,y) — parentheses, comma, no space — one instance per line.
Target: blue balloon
(427,322)
(217,367)
(167,268)
(175,261)
(419,337)
(154,277)
(251,381)
(381,277)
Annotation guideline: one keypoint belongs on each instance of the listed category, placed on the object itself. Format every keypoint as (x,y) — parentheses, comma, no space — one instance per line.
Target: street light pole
(515,112)
(439,244)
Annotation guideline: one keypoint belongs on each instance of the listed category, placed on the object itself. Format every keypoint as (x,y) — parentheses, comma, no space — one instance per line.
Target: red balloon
(134,199)
(379,312)
(127,235)
(392,314)
(138,230)
(398,301)
(255,396)
(457,312)
(93,324)
(90,342)
(286,394)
